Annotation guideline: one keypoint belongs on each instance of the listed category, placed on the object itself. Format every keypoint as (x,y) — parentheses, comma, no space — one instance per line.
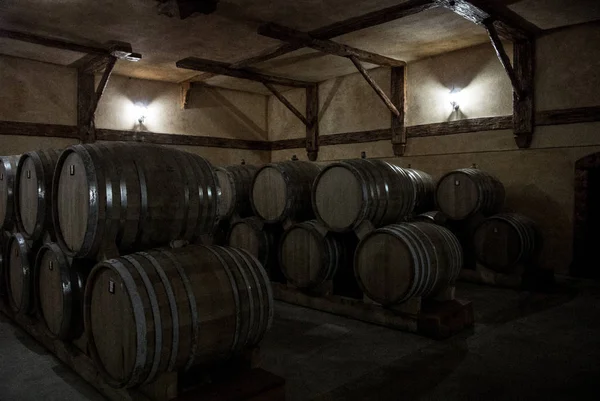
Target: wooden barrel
(170,309)
(19,273)
(282,191)
(424,190)
(435,217)
(258,238)
(130,195)
(506,240)
(308,256)
(33,192)
(464,192)
(8,171)
(349,192)
(4,236)
(401,261)
(58,283)
(235,183)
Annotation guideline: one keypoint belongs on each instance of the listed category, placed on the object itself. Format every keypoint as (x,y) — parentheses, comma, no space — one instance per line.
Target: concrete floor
(524,347)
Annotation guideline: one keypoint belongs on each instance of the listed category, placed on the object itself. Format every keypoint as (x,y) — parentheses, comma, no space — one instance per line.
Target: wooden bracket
(375,87)
(312,128)
(184,94)
(286,102)
(88,98)
(503,57)
(523,106)
(398,91)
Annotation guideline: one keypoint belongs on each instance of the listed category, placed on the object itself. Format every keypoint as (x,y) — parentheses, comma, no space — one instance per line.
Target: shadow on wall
(226,114)
(553,221)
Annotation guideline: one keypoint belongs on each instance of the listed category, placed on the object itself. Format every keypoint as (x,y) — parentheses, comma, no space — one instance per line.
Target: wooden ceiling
(230,34)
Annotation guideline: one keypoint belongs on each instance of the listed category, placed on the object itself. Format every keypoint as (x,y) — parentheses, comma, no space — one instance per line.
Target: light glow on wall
(138,112)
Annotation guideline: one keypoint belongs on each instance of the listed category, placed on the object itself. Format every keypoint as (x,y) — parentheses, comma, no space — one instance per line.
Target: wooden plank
(375,87)
(286,102)
(295,143)
(509,24)
(356,137)
(91,63)
(120,50)
(503,57)
(460,126)
(398,91)
(568,116)
(174,139)
(304,39)
(523,107)
(85,98)
(216,67)
(36,129)
(312,128)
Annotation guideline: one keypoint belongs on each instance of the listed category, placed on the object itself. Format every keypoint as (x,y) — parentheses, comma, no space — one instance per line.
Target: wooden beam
(216,67)
(398,91)
(509,24)
(120,50)
(503,57)
(312,128)
(523,107)
(375,87)
(286,102)
(36,129)
(303,39)
(340,28)
(568,116)
(175,139)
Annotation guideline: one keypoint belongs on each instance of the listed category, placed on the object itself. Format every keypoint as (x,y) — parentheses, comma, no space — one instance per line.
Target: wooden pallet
(437,318)
(239,380)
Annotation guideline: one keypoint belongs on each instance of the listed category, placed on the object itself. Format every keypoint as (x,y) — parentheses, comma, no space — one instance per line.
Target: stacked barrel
(86,252)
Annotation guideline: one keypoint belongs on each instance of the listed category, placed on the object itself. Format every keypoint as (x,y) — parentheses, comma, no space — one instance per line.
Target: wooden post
(398,91)
(85,98)
(312,128)
(523,107)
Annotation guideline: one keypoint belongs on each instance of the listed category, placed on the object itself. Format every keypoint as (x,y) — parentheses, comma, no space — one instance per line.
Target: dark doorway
(586,219)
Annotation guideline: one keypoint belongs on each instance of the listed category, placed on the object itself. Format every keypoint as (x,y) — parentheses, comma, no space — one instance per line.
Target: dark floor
(523,347)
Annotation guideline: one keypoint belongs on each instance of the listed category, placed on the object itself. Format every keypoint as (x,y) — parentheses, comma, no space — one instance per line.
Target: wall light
(454,98)
(140,112)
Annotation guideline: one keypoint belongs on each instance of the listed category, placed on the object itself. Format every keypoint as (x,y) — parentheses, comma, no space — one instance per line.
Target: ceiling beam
(509,24)
(303,39)
(119,50)
(375,87)
(216,67)
(340,28)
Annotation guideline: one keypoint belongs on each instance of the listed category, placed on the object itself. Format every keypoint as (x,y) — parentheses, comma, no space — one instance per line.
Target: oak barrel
(505,240)
(170,309)
(434,216)
(401,261)
(8,171)
(130,195)
(235,183)
(58,284)
(424,190)
(349,192)
(33,192)
(282,191)
(4,236)
(308,256)
(18,270)
(464,192)
(258,238)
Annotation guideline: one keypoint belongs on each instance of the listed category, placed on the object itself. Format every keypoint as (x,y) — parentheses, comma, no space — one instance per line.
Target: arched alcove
(586,217)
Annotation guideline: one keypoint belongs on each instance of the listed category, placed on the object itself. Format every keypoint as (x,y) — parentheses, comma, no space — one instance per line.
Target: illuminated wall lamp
(454,98)
(140,112)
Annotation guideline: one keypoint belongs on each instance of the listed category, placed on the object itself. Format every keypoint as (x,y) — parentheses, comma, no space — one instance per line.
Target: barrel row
(235,185)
